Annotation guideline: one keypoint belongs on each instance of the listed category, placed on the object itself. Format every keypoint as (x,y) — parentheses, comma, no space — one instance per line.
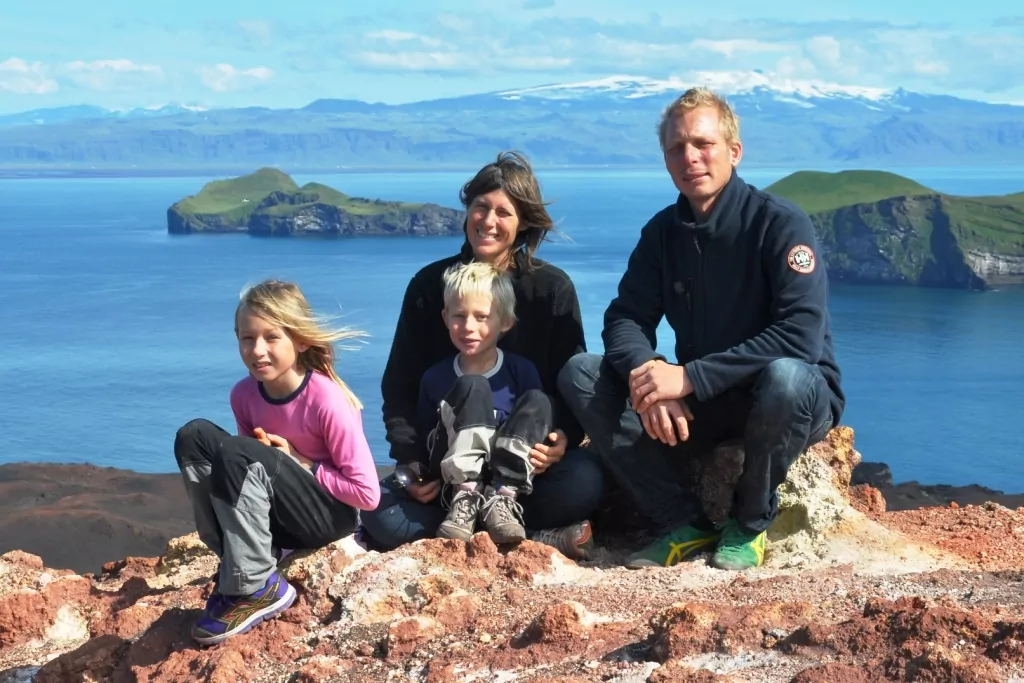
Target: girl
(295,475)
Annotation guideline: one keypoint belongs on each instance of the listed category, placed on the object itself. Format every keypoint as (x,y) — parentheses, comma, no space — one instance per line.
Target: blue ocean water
(116,333)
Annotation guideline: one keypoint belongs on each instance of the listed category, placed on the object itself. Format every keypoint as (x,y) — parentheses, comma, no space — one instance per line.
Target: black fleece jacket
(548,331)
(741,289)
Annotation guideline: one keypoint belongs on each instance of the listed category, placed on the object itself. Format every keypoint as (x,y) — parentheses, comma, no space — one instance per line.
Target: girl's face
(492,224)
(269,354)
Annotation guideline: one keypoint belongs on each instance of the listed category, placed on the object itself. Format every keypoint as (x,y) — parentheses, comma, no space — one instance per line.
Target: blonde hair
(728,122)
(283,305)
(481,278)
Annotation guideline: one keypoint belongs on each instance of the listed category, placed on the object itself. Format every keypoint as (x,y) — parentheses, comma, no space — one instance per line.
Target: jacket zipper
(698,329)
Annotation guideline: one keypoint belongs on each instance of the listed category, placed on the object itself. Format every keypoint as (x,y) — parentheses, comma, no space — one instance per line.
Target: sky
(223,53)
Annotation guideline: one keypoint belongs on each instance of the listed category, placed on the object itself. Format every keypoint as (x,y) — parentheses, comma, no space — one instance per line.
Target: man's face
(698,157)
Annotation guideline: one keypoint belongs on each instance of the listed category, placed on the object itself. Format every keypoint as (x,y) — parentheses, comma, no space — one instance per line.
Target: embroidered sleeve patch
(801,259)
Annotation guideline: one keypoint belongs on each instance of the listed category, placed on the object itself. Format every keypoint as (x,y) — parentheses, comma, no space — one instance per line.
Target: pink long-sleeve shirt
(321,423)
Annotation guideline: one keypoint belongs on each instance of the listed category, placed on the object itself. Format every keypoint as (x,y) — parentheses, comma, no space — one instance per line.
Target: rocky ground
(850,593)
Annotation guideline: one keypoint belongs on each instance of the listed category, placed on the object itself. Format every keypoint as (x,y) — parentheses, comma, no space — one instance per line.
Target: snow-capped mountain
(604,121)
(86,112)
(724,82)
(746,90)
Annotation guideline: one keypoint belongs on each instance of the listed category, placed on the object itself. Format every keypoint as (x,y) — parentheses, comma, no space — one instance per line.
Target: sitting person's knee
(787,379)
(579,374)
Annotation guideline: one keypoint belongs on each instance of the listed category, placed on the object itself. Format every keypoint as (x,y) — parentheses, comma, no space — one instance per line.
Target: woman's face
(492,224)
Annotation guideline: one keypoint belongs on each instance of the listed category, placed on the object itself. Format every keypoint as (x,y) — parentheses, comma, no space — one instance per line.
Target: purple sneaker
(229,615)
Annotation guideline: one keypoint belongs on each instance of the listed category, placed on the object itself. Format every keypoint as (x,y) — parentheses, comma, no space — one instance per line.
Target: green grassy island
(878,227)
(269,203)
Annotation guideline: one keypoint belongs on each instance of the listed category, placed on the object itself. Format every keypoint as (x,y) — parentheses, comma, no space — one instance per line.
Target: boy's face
(473,324)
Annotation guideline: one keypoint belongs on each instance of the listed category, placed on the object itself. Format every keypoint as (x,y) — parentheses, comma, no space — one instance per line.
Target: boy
(482,409)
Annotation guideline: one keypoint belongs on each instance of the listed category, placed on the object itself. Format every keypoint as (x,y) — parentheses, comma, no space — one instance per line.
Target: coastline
(80,516)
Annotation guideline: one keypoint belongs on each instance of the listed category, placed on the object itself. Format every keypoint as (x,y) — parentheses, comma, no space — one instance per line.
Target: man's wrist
(687,384)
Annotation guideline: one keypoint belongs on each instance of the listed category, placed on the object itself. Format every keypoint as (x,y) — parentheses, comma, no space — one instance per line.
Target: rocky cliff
(268,203)
(917,240)
(881,228)
(849,592)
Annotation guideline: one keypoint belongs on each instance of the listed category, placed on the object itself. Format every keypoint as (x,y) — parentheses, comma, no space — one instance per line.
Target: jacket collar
(728,205)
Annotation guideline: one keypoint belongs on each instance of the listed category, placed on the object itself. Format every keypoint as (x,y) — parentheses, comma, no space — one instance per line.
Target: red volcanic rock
(94,661)
(321,668)
(867,499)
(888,597)
(675,671)
(688,629)
(561,622)
(405,635)
(835,673)
(131,567)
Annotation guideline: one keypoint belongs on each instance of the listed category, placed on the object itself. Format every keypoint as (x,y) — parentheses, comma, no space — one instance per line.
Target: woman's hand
(426,492)
(282,444)
(543,456)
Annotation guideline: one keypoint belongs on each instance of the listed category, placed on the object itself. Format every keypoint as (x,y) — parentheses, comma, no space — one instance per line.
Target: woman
(506,220)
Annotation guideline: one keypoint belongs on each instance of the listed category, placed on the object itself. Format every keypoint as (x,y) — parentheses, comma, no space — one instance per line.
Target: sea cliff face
(909,240)
(324,220)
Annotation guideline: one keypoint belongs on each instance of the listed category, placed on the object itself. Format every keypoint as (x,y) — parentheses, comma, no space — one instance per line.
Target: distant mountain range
(609,121)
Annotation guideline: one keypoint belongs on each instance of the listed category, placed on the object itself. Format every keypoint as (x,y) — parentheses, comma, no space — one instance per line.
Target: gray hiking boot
(575,541)
(462,514)
(502,516)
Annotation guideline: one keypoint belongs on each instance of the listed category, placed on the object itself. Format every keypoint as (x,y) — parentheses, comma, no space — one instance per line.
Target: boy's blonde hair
(283,305)
(728,122)
(480,277)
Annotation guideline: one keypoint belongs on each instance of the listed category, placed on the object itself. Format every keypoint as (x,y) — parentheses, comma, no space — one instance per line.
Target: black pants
(467,437)
(250,499)
(785,412)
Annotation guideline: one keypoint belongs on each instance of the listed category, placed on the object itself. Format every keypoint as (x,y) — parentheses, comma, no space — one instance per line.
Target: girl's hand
(282,444)
(543,456)
(261,435)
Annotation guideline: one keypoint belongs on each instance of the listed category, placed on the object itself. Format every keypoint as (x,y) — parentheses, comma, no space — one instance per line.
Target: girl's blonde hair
(283,305)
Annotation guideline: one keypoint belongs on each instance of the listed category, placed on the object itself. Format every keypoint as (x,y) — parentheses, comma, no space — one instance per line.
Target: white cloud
(736,46)
(225,77)
(22,78)
(392,37)
(413,61)
(112,74)
(826,50)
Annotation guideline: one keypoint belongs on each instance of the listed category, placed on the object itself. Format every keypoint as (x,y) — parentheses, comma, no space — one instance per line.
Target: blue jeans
(567,493)
(785,411)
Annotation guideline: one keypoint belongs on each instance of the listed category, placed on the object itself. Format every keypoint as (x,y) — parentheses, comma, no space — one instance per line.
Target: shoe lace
(509,510)
(464,506)
(562,539)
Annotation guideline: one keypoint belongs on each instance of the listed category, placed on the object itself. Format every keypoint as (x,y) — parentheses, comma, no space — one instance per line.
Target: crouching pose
(296,473)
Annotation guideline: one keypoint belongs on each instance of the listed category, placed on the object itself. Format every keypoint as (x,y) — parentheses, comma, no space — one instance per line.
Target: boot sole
(455,535)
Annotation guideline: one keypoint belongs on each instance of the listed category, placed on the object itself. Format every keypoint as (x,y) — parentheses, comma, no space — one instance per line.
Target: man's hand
(282,444)
(424,493)
(543,456)
(656,381)
(668,421)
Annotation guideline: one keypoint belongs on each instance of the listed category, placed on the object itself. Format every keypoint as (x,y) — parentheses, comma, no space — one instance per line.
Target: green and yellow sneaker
(738,548)
(673,548)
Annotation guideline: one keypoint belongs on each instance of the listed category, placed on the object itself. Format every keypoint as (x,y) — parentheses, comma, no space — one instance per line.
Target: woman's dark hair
(512,173)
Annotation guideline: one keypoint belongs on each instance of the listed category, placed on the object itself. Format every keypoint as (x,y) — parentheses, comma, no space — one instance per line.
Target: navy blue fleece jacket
(741,289)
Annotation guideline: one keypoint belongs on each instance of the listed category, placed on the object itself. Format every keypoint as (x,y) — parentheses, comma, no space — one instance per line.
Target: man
(738,275)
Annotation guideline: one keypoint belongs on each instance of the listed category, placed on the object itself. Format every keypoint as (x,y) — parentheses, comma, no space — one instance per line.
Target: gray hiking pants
(250,501)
